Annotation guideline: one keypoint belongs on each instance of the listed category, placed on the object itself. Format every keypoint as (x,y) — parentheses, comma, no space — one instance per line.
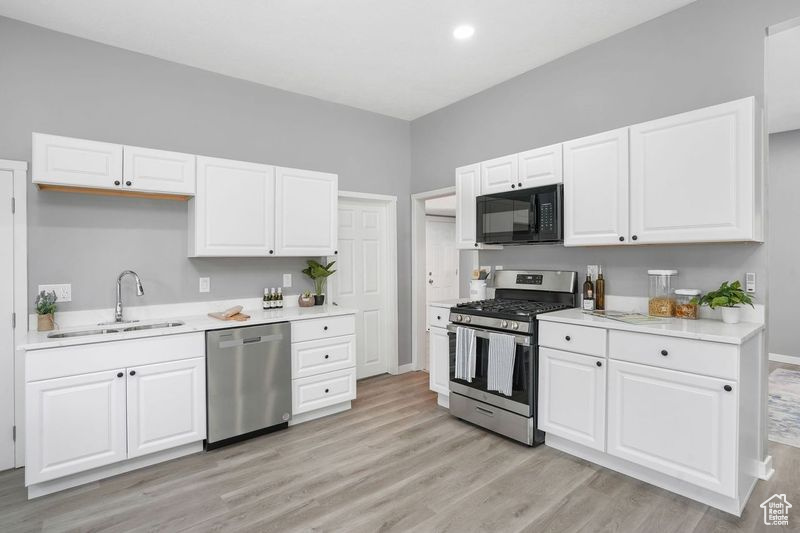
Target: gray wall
(706,53)
(784,256)
(63,85)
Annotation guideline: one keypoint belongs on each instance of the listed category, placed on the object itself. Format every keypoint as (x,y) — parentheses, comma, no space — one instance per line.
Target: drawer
(323,328)
(438,317)
(687,355)
(572,338)
(315,392)
(324,355)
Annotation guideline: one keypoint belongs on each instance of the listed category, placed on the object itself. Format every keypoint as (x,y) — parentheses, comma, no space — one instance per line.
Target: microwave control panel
(547,220)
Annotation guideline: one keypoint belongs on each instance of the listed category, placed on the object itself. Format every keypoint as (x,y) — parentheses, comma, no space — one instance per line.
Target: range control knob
(515,325)
(503,324)
(467,319)
(460,318)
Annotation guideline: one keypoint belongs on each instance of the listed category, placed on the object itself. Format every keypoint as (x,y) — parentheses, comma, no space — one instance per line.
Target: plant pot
(46,322)
(731,315)
(319,299)
(304,301)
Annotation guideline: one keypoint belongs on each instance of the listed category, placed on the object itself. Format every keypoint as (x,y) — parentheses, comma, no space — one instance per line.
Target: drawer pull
(438,317)
(484,411)
(325,328)
(326,356)
(568,338)
(327,391)
(599,363)
(727,388)
(664,353)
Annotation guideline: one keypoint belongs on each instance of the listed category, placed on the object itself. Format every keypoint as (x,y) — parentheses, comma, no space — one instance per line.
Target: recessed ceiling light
(465,31)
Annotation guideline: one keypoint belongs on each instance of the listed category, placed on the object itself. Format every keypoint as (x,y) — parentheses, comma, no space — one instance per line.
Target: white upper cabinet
(693,176)
(148,170)
(500,174)
(596,189)
(76,162)
(232,213)
(467,189)
(541,166)
(305,212)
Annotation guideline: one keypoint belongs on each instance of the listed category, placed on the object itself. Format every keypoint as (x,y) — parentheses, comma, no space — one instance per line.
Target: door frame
(418,256)
(19,170)
(390,283)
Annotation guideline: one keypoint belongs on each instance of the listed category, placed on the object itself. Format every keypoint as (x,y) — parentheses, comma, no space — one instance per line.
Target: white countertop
(448,303)
(701,329)
(35,340)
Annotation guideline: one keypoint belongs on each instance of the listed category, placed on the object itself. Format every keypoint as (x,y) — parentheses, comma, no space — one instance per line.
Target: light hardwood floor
(395,462)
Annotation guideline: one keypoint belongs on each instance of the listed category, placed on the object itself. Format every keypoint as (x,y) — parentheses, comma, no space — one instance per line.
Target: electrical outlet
(63,291)
(750,282)
(205,284)
(287,280)
(592,270)
(498,267)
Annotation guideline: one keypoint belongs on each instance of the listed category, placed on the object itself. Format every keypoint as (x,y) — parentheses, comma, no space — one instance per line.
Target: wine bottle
(265,301)
(600,290)
(588,294)
(280,298)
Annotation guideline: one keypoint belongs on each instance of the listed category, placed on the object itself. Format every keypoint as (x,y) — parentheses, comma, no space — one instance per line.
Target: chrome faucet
(139,292)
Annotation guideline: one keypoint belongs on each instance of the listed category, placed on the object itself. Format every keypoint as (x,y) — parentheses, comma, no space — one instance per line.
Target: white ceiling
(783,80)
(397,57)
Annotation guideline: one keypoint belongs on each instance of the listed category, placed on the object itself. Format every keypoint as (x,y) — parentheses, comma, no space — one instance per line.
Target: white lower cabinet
(572,396)
(166,405)
(323,390)
(677,423)
(439,360)
(74,423)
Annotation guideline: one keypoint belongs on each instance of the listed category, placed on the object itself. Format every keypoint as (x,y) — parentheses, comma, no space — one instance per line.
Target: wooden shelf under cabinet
(112,192)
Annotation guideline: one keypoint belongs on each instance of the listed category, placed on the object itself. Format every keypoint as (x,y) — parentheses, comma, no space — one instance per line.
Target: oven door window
(503,219)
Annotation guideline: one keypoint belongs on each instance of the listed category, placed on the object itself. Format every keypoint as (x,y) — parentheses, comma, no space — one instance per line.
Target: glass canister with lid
(662,299)
(685,303)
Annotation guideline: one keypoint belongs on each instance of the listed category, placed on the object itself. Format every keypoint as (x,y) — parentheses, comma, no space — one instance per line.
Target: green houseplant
(729,297)
(319,274)
(45,309)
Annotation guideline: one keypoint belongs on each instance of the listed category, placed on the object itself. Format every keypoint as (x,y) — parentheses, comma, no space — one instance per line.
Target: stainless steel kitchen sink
(105,331)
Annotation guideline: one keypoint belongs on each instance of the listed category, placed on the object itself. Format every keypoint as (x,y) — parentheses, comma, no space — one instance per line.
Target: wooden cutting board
(234,313)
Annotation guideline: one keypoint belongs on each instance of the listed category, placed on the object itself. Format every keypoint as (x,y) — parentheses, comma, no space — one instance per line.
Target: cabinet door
(596,189)
(572,397)
(500,174)
(148,170)
(76,162)
(305,212)
(693,176)
(323,390)
(439,364)
(680,424)
(232,213)
(166,405)
(467,189)
(74,424)
(542,166)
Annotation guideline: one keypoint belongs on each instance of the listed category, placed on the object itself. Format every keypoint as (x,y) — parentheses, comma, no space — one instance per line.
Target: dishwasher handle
(251,340)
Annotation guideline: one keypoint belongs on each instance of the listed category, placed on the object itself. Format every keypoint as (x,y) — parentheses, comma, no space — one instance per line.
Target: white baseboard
(319,413)
(402,369)
(764,469)
(780,358)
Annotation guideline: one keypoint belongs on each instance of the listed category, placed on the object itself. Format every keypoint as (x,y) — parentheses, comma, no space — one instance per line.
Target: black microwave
(523,216)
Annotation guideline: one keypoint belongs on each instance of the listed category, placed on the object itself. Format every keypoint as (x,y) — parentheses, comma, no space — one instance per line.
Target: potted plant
(306,299)
(45,308)
(319,274)
(728,297)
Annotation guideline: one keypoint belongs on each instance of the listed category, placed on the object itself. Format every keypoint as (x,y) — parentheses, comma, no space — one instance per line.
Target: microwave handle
(533,214)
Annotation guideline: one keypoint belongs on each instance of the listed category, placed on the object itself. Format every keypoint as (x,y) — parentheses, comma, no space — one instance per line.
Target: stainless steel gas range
(520,295)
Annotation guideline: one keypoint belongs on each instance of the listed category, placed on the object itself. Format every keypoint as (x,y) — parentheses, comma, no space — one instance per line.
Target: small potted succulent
(45,308)
(319,273)
(729,297)
(306,299)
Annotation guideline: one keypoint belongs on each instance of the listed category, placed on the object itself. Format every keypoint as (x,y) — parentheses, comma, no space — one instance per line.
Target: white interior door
(360,282)
(441,258)
(6,331)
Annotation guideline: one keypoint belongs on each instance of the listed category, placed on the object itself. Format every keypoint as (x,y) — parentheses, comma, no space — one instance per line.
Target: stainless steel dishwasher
(249,382)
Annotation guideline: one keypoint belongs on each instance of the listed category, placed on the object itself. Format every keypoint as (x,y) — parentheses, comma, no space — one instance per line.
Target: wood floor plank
(396,462)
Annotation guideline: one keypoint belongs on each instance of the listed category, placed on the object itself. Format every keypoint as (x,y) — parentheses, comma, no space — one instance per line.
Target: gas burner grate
(507,306)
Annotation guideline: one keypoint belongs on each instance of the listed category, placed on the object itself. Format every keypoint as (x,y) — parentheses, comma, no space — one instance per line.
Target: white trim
(781,358)
(764,469)
(20,281)
(319,413)
(391,258)
(402,369)
(783,26)
(353,195)
(418,300)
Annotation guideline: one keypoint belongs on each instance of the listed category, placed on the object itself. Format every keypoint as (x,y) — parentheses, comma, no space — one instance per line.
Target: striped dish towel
(465,354)
(500,372)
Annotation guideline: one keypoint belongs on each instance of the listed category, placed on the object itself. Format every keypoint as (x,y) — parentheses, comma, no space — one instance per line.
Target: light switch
(205,284)
(287,280)
(63,291)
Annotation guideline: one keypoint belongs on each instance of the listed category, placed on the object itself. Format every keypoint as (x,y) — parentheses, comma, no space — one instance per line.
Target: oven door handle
(484,334)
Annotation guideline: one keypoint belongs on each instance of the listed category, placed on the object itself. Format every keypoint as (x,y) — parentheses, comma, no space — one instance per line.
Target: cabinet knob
(325,328)
(326,356)
(727,388)
(438,317)
(336,252)
(513,186)
(634,238)
(519,185)
(133,372)
(568,338)
(271,252)
(327,390)
(664,353)
(120,374)
(476,245)
(621,238)
(599,363)
(116,182)
(128,183)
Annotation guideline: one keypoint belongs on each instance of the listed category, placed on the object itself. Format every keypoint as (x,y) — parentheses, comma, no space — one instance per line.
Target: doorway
(13,309)
(366,277)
